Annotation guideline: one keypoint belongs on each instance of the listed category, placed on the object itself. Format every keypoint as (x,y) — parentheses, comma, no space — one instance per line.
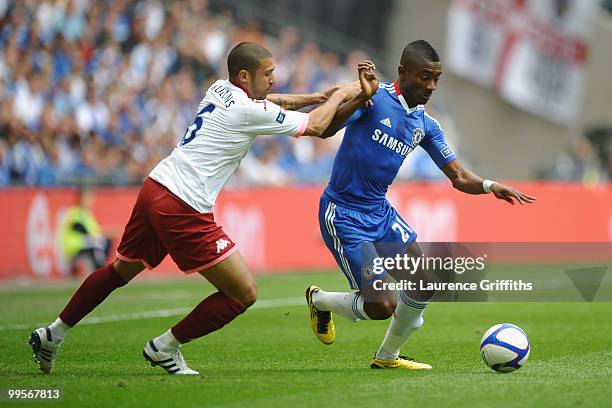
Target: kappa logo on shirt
(222,244)
(281,117)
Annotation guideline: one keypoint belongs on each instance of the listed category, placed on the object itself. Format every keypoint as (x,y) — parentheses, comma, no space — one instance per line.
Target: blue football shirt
(376,142)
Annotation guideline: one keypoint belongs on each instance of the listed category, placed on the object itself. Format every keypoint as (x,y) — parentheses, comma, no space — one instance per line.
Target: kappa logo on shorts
(222,244)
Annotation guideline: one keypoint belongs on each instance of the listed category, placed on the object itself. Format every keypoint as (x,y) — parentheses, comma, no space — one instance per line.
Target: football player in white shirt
(173,211)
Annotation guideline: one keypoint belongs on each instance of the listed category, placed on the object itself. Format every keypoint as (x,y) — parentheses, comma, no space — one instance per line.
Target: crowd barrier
(276,229)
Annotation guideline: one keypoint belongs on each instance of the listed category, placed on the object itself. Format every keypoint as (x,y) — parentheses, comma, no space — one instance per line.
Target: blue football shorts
(352,237)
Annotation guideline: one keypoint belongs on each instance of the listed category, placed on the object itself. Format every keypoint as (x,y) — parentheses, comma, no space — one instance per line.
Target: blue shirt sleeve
(434,143)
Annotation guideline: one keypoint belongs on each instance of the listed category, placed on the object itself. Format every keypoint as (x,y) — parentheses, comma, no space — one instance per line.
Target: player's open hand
(367,78)
(511,195)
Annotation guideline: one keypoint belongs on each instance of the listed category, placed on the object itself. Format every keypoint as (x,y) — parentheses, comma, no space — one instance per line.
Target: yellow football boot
(321,322)
(400,362)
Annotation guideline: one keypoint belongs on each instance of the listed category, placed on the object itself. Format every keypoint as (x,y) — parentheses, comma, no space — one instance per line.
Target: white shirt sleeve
(267,118)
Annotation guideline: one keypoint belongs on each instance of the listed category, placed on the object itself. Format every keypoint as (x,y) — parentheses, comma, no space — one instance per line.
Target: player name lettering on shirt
(225,94)
(391,143)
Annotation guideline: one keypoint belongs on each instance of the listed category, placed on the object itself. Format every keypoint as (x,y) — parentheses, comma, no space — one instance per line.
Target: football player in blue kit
(354,213)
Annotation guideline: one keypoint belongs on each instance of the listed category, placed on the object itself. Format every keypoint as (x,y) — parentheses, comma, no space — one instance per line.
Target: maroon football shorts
(162,224)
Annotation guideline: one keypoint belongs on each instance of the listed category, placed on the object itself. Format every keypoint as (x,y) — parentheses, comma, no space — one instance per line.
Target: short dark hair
(246,55)
(417,51)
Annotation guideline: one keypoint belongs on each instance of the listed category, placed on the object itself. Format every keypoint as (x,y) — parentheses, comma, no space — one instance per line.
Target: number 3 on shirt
(190,134)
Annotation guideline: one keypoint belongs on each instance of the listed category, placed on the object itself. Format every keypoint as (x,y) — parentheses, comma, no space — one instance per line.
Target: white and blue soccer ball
(505,347)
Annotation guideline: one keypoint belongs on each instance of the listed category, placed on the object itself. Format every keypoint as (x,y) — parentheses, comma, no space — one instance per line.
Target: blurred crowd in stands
(98,92)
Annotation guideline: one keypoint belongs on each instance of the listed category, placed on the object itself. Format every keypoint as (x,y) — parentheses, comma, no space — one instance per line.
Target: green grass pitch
(269,358)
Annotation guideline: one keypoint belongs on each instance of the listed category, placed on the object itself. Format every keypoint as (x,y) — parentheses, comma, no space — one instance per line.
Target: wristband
(486,185)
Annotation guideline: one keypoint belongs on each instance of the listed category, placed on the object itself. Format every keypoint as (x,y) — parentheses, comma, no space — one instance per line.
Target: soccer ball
(505,347)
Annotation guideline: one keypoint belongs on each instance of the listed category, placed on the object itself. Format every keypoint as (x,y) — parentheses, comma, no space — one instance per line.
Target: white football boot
(173,362)
(44,348)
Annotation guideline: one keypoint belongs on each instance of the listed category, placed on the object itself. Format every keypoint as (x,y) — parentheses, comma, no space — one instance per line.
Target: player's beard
(259,93)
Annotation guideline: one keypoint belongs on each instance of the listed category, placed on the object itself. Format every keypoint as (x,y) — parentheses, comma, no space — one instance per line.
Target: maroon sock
(211,314)
(91,293)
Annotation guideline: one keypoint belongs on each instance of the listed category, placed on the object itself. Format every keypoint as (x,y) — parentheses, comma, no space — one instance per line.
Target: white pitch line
(151,314)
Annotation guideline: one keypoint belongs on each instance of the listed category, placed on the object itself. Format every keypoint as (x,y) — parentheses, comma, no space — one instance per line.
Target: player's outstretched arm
(468,182)
(320,118)
(297,101)
(368,85)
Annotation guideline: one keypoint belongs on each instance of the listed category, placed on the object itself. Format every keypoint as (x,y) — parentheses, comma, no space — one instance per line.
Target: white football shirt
(224,129)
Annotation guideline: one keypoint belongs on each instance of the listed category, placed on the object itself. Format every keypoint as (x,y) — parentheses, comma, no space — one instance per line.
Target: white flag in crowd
(533,52)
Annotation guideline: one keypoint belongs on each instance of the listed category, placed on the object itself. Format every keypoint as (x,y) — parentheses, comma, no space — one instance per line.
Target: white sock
(166,342)
(406,320)
(347,304)
(58,330)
